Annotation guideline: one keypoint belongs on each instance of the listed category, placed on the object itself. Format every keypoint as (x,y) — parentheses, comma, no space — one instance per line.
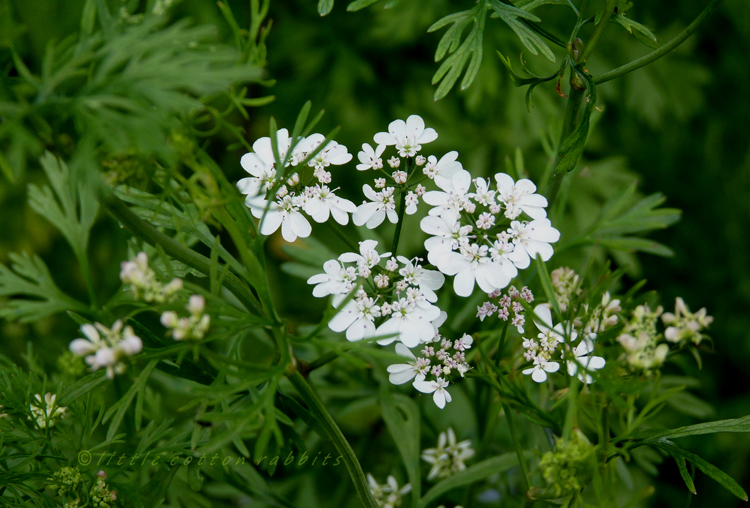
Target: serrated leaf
(72,209)
(709,469)
(460,53)
(472,474)
(29,277)
(401,415)
(512,16)
(642,33)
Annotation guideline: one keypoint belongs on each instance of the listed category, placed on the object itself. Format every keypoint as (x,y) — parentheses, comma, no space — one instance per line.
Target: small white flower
(448,234)
(394,162)
(357,318)
(448,457)
(325,203)
(409,323)
(531,239)
(520,197)
(428,281)
(454,195)
(336,280)
(437,388)
(483,195)
(412,202)
(541,368)
(472,264)
(284,214)
(368,254)
(333,153)
(401,373)
(584,359)
(407,137)
(104,347)
(442,170)
(373,213)
(379,183)
(369,158)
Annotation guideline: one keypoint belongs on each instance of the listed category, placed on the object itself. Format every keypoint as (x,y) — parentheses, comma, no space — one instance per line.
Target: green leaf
(460,53)
(401,415)
(513,17)
(571,149)
(642,33)
(473,474)
(117,411)
(29,277)
(72,209)
(686,477)
(547,286)
(733,425)
(538,3)
(714,472)
(324,7)
(360,4)
(81,387)
(633,244)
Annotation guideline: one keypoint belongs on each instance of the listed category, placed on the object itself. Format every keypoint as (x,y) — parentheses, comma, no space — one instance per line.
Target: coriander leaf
(513,17)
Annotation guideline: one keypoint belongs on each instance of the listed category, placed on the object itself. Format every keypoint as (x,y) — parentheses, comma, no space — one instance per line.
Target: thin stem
(336,436)
(322,360)
(570,415)
(658,53)
(598,31)
(399,225)
(142,229)
(502,342)
(572,109)
(517,445)
(336,229)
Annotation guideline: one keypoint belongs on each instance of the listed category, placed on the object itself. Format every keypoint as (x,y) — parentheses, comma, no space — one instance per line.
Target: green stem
(517,445)
(322,360)
(336,229)
(336,436)
(502,342)
(658,53)
(598,31)
(570,415)
(399,225)
(122,213)
(83,260)
(575,99)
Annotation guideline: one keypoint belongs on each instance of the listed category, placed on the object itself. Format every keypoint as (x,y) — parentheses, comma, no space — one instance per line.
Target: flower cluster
(101,496)
(401,296)
(475,235)
(105,347)
(568,468)
(507,306)
(640,339)
(388,495)
(302,192)
(142,279)
(433,370)
(45,412)
(65,480)
(603,316)
(579,359)
(193,327)
(565,284)
(684,326)
(448,457)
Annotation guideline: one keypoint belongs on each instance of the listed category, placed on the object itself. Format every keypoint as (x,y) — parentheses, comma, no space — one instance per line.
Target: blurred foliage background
(678,126)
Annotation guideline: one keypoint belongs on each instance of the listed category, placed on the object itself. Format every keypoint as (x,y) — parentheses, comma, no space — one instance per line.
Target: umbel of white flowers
(480,233)
(107,347)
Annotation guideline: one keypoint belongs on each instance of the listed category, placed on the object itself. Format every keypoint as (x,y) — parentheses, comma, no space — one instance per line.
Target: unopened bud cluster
(193,327)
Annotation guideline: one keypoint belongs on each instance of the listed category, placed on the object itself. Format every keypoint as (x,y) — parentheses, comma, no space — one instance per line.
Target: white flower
(428,281)
(284,213)
(437,388)
(357,318)
(373,213)
(454,195)
(558,332)
(483,195)
(409,323)
(448,457)
(325,203)
(333,153)
(369,158)
(406,136)
(582,353)
(401,373)
(531,239)
(45,412)
(388,495)
(337,280)
(520,197)
(108,349)
(412,202)
(442,170)
(448,234)
(541,368)
(472,264)
(260,163)
(368,254)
